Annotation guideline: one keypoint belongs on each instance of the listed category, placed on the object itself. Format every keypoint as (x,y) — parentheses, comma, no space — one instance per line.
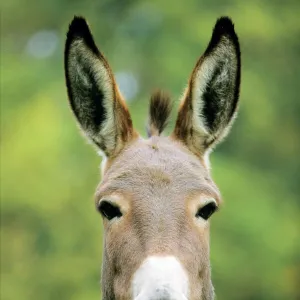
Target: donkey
(156,195)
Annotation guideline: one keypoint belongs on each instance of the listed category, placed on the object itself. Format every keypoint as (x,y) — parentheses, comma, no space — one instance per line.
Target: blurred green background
(51,235)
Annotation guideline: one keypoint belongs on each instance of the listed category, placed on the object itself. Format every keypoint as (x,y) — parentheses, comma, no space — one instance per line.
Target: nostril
(162,294)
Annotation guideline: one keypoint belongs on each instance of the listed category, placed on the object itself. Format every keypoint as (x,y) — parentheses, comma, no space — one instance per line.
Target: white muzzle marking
(160,278)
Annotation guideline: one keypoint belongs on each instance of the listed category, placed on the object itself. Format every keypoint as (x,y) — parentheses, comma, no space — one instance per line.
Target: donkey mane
(159,112)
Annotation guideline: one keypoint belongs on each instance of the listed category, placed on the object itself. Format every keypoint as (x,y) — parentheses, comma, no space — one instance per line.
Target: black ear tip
(78,28)
(224,26)
(225,22)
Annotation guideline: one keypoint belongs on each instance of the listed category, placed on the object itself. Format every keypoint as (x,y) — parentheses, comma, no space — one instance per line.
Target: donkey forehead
(157,167)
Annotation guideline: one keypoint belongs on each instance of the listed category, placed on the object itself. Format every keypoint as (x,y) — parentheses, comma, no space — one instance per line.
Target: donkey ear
(94,96)
(210,101)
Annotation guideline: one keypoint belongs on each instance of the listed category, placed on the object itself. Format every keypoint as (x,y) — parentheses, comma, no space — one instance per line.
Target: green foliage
(51,236)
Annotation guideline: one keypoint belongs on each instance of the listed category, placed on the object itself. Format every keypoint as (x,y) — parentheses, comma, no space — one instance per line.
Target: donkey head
(156,194)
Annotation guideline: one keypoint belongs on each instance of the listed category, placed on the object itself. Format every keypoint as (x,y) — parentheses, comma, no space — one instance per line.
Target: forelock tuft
(159,113)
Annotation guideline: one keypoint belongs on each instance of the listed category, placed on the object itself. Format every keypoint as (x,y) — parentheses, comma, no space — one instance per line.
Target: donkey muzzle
(160,278)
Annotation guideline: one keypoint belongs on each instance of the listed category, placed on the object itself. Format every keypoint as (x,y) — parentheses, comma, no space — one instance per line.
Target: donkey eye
(206,211)
(109,210)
